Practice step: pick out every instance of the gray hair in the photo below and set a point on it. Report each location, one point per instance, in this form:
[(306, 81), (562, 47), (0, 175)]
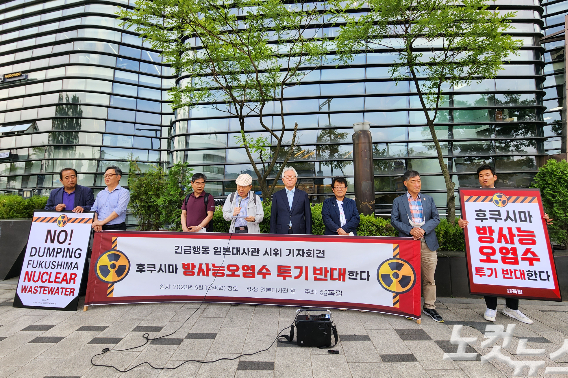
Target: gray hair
[(286, 169), (410, 174)]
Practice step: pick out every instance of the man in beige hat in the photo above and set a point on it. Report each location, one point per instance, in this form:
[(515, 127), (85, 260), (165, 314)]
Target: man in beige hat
[(243, 208)]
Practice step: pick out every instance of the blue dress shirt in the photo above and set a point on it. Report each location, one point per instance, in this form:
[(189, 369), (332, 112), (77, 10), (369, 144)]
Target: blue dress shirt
[(107, 202)]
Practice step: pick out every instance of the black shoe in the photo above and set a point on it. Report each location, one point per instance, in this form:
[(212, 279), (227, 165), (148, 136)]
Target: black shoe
[(433, 314)]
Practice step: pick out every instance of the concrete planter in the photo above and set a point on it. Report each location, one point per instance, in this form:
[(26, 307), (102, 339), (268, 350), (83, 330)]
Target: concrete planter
[(13, 239)]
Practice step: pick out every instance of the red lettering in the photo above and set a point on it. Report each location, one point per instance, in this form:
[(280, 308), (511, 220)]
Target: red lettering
[(28, 276), (72, 277), (43, 279), (57, 278)]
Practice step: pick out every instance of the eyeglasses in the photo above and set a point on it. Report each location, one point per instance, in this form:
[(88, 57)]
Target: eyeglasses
[(110, 175)]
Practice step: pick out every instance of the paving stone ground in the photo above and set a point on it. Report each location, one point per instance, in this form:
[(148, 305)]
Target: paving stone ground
[(48, 343)]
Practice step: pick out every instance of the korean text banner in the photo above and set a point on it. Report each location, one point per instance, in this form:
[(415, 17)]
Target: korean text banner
[(54, 261), (371, 273), (508, 252)]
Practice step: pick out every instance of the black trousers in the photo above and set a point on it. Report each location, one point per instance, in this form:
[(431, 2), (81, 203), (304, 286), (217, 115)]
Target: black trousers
[(491, 302), (117, 227)]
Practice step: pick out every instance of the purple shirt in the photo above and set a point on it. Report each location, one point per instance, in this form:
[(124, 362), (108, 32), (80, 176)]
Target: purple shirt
[(195, 209), (69, 200)]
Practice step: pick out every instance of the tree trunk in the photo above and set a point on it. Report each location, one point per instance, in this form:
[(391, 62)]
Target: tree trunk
[(451, 198)]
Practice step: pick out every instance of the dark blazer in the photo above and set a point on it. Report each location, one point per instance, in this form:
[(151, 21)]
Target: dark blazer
[(83, 197), (400, 218), (330, 216), (281, 215)]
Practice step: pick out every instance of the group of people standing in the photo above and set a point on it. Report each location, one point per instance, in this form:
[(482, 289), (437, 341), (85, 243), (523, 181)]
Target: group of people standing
[(109, 206), (290, 213), (413, 214)]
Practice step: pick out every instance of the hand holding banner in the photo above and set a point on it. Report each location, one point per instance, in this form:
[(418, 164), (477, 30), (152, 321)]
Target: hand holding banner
[(367, 273)]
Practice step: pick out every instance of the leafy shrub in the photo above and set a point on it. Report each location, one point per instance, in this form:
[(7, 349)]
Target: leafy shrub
[(177, 181), (450, 236), (156, 196), (219, 223), (265, 224), (36, 203), (14, 206), (553, 185), (371, 226), (317, 222)]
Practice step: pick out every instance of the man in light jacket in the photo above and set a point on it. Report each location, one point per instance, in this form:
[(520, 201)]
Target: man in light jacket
[(415, 214), (243, 208)]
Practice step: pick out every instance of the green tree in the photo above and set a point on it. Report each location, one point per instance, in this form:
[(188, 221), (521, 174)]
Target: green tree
[(177, 182), (240, 55), (472, 40), (156, 196), (551, 180)]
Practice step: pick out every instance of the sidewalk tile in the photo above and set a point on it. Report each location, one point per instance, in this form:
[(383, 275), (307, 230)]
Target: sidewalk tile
[(255, 365)]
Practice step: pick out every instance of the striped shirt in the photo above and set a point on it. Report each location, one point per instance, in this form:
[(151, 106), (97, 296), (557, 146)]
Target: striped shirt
[(415, 208)]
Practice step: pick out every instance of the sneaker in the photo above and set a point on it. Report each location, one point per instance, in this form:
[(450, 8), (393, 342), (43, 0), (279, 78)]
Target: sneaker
[(516, 314), (433, 314), (490, 315)]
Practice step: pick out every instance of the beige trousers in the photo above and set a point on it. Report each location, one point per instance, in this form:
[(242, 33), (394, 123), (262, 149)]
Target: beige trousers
[(428, 266)]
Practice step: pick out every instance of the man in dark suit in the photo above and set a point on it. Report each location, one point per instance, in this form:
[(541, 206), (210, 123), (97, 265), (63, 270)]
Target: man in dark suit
[(290, 212), (415, 214), (339, 214), (70, 197)]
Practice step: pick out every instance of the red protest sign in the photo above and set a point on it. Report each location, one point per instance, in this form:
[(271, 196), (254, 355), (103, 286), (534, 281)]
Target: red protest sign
[(508, 250)]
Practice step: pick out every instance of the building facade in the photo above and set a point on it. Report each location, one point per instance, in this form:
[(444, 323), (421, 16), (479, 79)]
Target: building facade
[(80, 91), (554, 83)]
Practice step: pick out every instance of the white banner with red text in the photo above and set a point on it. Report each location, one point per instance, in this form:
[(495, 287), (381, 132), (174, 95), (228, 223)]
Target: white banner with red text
[(367, 273), (508, 250), (54, 260)]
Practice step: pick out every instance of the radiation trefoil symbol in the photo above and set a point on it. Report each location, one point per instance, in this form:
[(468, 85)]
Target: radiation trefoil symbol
[(500, 200), (62, 220), (112, 266), (396, 275)]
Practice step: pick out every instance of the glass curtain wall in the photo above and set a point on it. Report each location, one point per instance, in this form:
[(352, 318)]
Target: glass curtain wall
[(496, 121), (80, 91), (77, 91), (554, 70)]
